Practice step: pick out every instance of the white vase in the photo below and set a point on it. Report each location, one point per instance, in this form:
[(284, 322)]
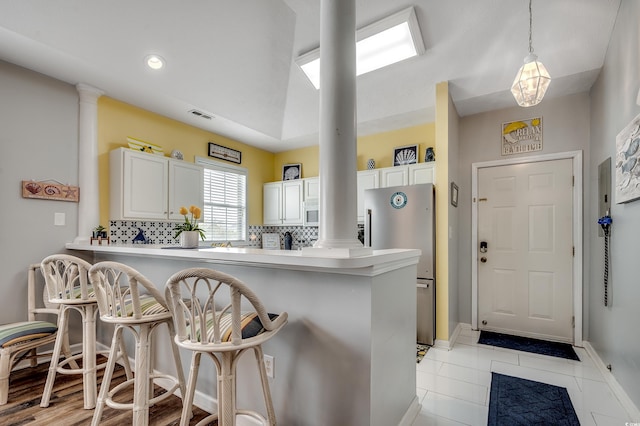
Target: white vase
[(189, 239)]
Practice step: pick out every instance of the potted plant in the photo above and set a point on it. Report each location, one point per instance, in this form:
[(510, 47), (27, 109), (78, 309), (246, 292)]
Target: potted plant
[(188, 231), (99, 232)]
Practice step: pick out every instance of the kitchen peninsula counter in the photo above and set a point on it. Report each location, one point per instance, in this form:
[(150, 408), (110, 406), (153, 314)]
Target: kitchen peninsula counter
[(347, 355), (373, 264)]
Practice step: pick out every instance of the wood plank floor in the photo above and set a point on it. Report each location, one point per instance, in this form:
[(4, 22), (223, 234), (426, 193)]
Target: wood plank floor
[(66, 404)]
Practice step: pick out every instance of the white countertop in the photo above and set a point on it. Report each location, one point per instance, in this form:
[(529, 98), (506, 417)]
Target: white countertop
[(375, 263)]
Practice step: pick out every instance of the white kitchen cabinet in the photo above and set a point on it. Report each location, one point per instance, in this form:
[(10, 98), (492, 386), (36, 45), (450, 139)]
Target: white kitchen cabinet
[(272, 203), (311, 189), (422, 173), (394, 176), (186, 187), (282, 202), (366, 179), (152, 187)]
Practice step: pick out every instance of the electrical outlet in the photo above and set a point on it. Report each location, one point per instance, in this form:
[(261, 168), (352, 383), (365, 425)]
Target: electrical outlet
[(269, 365)]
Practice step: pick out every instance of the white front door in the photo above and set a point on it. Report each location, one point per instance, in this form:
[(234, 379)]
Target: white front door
[(525, 275)]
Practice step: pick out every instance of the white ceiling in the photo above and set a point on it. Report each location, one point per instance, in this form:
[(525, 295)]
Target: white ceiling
[(235, 59)]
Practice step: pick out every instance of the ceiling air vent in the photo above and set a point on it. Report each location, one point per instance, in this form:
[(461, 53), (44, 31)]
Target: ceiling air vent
[(201, 114)]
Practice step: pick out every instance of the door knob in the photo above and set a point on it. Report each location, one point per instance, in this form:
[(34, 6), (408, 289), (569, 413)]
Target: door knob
[(483, 259)]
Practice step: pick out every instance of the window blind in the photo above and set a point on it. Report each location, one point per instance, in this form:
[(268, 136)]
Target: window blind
[(224, 215)]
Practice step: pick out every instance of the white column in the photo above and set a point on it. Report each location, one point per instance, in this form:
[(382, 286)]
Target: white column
[(338, 152), (89, 205)]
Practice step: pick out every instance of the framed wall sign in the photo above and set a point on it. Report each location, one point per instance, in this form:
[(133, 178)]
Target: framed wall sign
[(404, 155), (454, 194), (291, 171), (224, 153), (519, 137)]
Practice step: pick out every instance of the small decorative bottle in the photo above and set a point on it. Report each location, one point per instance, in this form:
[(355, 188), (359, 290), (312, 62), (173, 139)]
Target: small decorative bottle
[(288, 240), (429, 155), (371, 164)]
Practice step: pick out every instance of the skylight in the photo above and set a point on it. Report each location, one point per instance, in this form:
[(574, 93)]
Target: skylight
[(390, 40)]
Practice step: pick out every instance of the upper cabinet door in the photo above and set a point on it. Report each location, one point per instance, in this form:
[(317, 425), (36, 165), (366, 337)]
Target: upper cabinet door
[(366, 179), (394, 176), (186, 187), (311, 189), (145, 181), (292, 202), (272, 203), (422, 173)]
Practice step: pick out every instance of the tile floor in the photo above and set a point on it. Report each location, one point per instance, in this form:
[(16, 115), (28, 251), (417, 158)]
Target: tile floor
[(453, 386)]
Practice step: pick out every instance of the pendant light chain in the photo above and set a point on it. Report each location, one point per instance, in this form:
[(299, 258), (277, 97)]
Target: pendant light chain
[(530, 26), (532, 79)]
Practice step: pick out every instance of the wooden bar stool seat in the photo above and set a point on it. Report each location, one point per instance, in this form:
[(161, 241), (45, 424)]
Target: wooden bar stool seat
[(223, 332)]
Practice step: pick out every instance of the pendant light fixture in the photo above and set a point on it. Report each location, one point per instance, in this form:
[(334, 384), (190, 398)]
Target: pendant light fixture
[(532, 79)]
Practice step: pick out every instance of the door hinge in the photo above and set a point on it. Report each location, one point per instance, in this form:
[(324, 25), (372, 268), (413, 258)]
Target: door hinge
[(573, 181), (573, 251), (573, 321)]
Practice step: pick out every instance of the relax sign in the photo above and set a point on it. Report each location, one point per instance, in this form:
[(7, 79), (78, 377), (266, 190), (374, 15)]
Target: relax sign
[(522, 136)]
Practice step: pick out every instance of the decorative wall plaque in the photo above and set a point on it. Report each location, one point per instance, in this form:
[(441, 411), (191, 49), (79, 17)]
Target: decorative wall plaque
[(522, 136), (224, 153), (50, 191)]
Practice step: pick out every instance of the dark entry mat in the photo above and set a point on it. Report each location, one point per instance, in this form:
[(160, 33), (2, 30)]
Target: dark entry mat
[(526, 344), (514, 401)]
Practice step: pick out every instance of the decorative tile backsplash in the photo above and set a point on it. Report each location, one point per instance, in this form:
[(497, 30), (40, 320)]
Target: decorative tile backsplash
[(124, 232), (303, 236)]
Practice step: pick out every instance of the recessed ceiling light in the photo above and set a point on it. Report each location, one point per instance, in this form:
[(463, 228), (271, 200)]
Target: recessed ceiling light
[(390, 40), (155, 62)]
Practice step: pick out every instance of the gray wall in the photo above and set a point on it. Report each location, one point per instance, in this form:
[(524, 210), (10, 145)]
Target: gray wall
[(454, 261), (613, 330), (39, 140), (565, 124)]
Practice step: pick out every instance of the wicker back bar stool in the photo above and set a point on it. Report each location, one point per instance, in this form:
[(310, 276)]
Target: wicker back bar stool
[(67, 285), (129, 301), (207, 310), (21, 340)]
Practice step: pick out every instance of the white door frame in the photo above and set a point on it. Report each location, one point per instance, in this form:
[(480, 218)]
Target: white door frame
[(576, 157)]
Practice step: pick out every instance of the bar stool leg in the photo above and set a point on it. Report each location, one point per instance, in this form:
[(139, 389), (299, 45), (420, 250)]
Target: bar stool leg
[(271, 414), (176, 357), (226, 390), (63, 318), (89, 356), (141, 384), (108, 374), (187, 398)]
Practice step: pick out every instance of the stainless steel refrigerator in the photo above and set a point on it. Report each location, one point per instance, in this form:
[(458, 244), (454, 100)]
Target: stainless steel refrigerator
[(404, 217)]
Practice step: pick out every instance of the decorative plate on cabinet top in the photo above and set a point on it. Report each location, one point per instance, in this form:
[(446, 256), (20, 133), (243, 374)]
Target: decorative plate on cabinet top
[(177, 154)]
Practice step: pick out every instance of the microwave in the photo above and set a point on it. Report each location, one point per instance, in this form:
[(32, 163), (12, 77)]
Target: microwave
[(311, 216)]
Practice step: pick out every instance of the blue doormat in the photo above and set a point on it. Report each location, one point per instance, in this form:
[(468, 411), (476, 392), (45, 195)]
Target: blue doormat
[(514, 401), (526, 344)]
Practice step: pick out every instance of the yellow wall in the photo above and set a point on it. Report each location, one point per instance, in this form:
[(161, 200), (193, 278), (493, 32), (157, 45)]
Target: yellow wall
[(379, 147), (117, 120), (442, 212)]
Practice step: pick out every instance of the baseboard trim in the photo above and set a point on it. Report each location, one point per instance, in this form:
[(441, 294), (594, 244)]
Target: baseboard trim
[(411, 413), (447, 345), (617, 389)]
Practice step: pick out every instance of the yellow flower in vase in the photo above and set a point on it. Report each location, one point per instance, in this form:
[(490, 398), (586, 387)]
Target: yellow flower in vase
[(190, 223)]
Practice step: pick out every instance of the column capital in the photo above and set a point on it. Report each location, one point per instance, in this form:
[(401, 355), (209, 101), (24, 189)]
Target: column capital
[(88, 93)]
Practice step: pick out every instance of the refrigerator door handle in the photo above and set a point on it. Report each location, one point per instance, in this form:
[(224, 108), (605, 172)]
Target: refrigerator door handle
[(367, 225)]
